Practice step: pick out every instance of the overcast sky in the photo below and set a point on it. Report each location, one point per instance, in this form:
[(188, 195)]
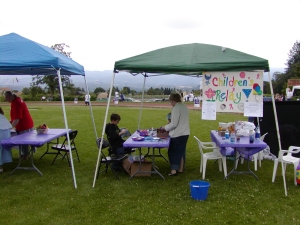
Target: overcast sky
[(100, 32)]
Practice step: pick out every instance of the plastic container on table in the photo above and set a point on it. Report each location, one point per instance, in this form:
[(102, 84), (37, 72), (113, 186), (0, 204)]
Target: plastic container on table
[(251, 136), (257, 134), (227, 134), (232, 137)]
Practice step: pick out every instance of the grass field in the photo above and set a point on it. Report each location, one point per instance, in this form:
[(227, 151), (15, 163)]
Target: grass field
[(28, 198)]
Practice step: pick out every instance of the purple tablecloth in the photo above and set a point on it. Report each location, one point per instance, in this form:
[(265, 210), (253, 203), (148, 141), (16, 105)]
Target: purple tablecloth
[(161, 143), (243, 146), (34, 139)]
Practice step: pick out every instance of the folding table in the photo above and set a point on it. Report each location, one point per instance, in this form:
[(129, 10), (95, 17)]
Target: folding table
[(34, 139), (147, 143), (242, 146)]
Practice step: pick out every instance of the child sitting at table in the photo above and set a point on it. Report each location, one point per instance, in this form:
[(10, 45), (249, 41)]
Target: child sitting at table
[(114, 135)]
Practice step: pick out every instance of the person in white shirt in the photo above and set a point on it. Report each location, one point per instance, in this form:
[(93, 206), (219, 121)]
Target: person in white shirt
[(87, 98), (5, 126), (186, 98), (289, 95), (116, 99), (179, 131)]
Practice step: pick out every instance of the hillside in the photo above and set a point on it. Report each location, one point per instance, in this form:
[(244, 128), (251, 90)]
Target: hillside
[(103, 79)]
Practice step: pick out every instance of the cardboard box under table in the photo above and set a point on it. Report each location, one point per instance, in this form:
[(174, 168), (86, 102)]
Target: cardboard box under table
[(132, 166)]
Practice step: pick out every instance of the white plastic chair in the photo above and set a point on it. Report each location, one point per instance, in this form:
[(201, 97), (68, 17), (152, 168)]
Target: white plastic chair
[(258, 156), (215, 154), (285, 157)]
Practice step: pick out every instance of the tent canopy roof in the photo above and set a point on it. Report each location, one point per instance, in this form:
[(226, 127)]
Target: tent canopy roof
[(189, 59), (21, 56)]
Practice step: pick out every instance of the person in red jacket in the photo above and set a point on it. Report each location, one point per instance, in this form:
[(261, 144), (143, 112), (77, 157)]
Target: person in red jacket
[(20, 118)]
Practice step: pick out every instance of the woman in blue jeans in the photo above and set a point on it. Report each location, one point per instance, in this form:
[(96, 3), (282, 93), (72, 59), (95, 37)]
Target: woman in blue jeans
[(179, 131)]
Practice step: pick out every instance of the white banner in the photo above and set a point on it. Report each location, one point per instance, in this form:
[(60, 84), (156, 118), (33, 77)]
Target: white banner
[(196, 102), (253, 109), (209, 111), (231, 89)]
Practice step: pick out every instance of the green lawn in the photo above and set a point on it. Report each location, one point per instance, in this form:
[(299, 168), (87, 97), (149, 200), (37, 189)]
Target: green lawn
[(28, 198)]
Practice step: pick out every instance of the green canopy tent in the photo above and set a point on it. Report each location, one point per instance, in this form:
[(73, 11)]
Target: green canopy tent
[(186, 59), (189, 59)]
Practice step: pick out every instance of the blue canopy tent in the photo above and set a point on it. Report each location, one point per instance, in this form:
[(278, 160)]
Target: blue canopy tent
[(21, 56)]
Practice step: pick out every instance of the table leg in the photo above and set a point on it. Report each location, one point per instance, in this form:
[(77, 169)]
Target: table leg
[(234, 171), (153, 164), (162, 155), (155, 171), (251, 172), (33, 167), (147, 154), (140, 164), (48, 148), (158, 155)]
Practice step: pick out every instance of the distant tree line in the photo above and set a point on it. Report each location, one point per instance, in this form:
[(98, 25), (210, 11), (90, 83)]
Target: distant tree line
[(292, 71)]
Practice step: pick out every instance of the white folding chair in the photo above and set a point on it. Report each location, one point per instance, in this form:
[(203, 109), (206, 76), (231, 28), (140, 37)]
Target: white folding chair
[(215, 154), (256, 157), (285, 157)]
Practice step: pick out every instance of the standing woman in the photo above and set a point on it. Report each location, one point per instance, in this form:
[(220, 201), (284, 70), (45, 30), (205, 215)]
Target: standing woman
[(179, 131), (20, 118), (5, 126)]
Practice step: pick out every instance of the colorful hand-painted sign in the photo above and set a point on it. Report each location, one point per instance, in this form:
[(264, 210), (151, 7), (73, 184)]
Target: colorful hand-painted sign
[(231, 89)]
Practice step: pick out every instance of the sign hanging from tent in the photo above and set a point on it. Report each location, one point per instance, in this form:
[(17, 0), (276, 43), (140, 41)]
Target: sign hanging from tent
[(230, 90)]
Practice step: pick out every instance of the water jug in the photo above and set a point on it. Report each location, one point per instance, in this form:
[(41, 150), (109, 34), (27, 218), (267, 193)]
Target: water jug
[(251, 136), (257, 134), (227, 134), (232, 137)]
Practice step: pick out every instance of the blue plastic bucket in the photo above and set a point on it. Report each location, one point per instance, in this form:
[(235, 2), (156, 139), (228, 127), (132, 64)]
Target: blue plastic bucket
[(199, 189)]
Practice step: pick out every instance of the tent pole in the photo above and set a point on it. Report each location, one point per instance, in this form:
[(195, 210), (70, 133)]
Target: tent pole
[(103, 129), (66, 125), (277, 129), (91, 111), (141, 107), (275, 112)]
